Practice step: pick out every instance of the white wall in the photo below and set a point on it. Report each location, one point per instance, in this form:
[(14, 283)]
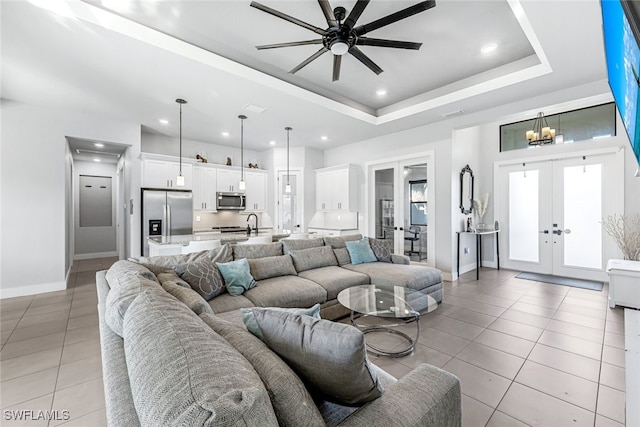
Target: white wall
[(94, 242), (32, 191)]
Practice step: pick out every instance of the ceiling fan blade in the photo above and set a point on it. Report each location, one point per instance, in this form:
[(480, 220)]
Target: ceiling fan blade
[(337, 60), (367, 41), (355, 13), (308, 60), (289, 44), (394, 17), (287, 17), (360, 56), (328, 13)]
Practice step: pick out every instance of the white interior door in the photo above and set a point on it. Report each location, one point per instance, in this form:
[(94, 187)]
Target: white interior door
[(551, 213)]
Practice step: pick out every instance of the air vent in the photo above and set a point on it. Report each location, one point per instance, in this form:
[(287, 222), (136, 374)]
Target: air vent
[(98, 153), (254, 108), (453, 114)]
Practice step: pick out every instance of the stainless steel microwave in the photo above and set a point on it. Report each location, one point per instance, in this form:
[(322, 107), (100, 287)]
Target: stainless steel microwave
[(230, 201)]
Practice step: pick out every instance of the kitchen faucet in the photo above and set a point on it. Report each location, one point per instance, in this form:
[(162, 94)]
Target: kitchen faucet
[(256, 227)]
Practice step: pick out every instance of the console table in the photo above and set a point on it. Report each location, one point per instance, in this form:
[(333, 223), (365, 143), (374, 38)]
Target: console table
[(478, 233)]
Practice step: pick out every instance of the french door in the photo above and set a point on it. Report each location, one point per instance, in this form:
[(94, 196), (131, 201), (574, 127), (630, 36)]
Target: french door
[(550, 214), (391, 213)]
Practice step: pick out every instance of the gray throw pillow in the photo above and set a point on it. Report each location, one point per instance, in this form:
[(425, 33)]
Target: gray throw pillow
[(307, 259), (331, 357), (272, 266), (342, 255), (159, 264), (250, 320), (203, 276), (381, 249)]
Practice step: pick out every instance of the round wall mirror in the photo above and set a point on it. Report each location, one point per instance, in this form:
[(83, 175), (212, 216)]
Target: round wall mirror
[(466, 190)]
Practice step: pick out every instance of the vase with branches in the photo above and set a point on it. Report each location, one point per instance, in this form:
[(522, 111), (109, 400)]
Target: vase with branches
[(480, 206), (625, 230)]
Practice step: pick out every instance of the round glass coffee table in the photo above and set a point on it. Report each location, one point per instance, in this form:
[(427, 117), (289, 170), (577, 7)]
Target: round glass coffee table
[(388, 302)]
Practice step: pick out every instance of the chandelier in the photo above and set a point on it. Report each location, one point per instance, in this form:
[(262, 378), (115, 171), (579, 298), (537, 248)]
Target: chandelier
[(541, 133)]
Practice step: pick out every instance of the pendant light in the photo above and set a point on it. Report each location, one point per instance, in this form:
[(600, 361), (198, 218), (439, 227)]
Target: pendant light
[(241, 185), (287, 188), (180, 178)]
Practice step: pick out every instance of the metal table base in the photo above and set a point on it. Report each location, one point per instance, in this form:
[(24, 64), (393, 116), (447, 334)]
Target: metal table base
[(411, 342)]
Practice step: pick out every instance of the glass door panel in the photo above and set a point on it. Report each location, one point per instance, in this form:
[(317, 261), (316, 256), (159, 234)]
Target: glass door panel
[(384, 195), (523, 216), (289, 209)]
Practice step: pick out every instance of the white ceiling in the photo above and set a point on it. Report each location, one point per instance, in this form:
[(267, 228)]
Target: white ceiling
[(77, 55)]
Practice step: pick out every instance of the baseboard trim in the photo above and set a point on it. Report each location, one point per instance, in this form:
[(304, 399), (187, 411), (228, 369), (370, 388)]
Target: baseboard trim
[(79, 257), (32, 290)]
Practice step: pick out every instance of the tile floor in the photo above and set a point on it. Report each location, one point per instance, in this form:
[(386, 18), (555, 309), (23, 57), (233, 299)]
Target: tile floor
[(527, 353)]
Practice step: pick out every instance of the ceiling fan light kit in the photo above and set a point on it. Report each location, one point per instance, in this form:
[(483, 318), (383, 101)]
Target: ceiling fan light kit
[(342, 36)]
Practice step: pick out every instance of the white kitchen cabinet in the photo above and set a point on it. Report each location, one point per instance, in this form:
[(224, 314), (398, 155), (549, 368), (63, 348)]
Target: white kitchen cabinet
[(256, 191), (228, 180), (204, 188), (163, 174), (337, 189)]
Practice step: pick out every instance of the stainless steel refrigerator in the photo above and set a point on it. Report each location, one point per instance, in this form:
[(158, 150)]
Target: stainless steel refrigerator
[(165, 213)]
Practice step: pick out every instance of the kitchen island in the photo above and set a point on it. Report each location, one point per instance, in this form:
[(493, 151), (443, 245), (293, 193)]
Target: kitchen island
[(174, 245)]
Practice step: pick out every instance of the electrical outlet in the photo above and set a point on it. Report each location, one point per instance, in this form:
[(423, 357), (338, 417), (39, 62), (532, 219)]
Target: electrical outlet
[(197, 218), (466, 251)]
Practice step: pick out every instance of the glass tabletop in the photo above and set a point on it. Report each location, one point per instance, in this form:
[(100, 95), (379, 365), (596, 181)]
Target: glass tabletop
[(387, 301)]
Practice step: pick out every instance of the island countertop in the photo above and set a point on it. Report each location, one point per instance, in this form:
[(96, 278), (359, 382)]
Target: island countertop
[(184, 239)]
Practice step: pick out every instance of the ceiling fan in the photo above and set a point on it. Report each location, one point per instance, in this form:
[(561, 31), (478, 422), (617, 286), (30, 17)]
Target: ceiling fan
[(342, 36)]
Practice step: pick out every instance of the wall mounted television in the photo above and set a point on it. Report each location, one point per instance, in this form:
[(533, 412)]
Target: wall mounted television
[(621, 30)]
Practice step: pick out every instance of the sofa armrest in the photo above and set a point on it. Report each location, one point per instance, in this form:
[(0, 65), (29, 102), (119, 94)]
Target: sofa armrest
[(400, 259), (427, 396)]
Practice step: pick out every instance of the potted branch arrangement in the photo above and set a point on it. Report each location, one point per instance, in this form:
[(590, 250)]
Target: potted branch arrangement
[(480, 206), (626, 232)]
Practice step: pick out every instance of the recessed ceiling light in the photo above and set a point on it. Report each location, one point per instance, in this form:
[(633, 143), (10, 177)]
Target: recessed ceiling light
[(324, 138), (488, 48), (381, 92), (98, 144), (163, 121), (96, 160), (272, 143), (225, 134)]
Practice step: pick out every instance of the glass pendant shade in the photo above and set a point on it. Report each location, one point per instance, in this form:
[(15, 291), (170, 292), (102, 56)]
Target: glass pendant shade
[(287, 188), (241, 185), (180, 181)]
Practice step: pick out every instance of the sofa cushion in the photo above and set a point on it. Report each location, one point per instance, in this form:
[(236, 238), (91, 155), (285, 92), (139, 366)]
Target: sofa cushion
[(381, 249), (124, 290), (237, 276), (158, 264), (188, 296), (249, 319), (203, 276), (339, 242), (331, 357), (411, 276), (272, 266), (289, 245), (342, 255), (169, 353), (334, 279), (122, 268), (306, 259), (291, 401), (286, 291), (257, 251), (226, 302), (172, 276), (360, 252)]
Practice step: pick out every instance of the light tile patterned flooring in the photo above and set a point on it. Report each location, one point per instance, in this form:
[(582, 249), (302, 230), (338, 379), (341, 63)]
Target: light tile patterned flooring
[(527, 353)]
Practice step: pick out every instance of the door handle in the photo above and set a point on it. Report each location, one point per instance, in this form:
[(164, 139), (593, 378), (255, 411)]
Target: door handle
[(544, 232), (565, 231)]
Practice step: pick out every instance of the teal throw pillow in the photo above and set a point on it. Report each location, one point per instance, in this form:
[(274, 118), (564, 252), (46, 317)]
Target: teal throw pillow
[(360, 251), (237, 276), (249, 318)]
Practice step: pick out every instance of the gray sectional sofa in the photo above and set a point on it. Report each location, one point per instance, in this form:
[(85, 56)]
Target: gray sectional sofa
[(170, 357)]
